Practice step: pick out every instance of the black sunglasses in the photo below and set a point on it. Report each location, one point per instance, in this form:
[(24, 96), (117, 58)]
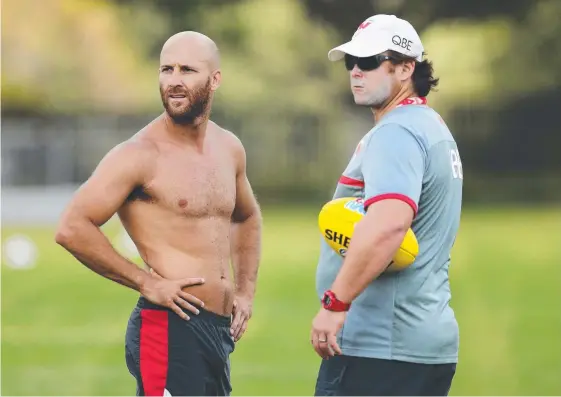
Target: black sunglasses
[(365, 64)]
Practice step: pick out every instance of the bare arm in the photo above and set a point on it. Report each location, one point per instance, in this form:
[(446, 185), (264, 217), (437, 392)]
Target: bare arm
[(97, 200), (376, 239), (246, 232)]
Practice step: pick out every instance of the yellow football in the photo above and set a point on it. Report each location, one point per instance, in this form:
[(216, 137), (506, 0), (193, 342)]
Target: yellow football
[(337, 220)]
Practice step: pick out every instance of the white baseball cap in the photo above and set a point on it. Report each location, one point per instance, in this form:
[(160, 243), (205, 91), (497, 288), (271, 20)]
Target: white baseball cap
[(381, 33)]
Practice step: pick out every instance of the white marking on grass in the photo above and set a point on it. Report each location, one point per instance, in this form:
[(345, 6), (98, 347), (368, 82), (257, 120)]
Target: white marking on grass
[(20, 252)]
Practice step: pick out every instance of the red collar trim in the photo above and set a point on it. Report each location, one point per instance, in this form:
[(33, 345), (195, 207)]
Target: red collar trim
[(413, 101)]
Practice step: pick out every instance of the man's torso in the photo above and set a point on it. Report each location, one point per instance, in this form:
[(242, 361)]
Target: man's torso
[(180, 218), (406, 315)]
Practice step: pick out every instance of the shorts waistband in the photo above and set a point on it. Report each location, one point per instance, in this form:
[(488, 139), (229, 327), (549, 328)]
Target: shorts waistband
[(204, 315)]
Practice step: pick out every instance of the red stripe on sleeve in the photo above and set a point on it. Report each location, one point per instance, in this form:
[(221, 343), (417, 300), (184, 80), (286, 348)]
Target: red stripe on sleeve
[(154, 351), (395, 196), (345, 180)]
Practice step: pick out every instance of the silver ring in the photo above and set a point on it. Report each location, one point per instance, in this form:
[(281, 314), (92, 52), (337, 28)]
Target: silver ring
[(322, 340)]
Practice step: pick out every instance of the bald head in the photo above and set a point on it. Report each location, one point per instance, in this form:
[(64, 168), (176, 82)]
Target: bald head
[(189, 46)]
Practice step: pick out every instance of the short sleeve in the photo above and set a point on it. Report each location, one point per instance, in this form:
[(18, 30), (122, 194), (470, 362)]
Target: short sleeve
[(393, 166)]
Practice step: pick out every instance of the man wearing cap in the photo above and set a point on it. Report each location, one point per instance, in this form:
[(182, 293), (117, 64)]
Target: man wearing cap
[(392, 333)]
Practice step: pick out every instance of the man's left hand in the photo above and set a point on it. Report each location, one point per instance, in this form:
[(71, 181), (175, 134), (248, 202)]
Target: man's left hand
[(242, 313), (325, 326)]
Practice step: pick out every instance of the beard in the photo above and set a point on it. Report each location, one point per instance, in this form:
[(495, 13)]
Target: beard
[(196, 103), (379, 96)]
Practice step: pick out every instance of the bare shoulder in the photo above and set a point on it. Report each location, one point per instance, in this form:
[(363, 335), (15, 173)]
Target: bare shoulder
[(132, 159), (137, 149), (125, 167), (132, 149), (233, 143)]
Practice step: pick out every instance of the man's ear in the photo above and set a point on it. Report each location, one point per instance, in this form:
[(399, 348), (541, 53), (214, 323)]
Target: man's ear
[(406, 70), (215, 80)]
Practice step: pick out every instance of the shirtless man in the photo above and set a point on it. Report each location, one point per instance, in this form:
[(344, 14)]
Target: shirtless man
[(180, 189)]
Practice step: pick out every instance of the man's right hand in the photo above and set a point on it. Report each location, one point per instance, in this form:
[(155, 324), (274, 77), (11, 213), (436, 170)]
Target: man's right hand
[(169, 293)]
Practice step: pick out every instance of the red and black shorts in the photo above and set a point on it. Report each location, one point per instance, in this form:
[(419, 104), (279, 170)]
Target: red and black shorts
[(171, 356)]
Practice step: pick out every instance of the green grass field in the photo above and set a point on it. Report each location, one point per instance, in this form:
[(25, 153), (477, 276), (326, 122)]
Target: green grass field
[(63, 326)]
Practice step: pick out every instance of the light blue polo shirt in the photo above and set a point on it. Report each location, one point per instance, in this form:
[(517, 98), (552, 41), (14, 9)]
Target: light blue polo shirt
[(411, 155)]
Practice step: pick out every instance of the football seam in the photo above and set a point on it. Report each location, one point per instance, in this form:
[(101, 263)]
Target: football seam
[(408, 252)]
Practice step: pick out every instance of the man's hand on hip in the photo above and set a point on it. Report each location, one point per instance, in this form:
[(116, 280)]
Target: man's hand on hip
[(170, 294), (243, 307)]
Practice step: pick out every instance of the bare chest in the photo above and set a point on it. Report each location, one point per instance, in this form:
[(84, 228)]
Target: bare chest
[(195, 187)]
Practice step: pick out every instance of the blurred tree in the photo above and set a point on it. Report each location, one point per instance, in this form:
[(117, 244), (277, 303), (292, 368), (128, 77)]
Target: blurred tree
[(501, 92), (76, 57), (179, 15), (280, 97), (346, 15)]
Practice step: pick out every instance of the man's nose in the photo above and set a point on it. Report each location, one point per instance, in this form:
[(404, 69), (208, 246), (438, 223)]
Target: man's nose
[(356, 72), (175, 77)]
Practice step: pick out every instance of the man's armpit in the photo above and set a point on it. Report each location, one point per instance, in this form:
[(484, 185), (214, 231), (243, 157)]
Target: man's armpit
[(123, 169)]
